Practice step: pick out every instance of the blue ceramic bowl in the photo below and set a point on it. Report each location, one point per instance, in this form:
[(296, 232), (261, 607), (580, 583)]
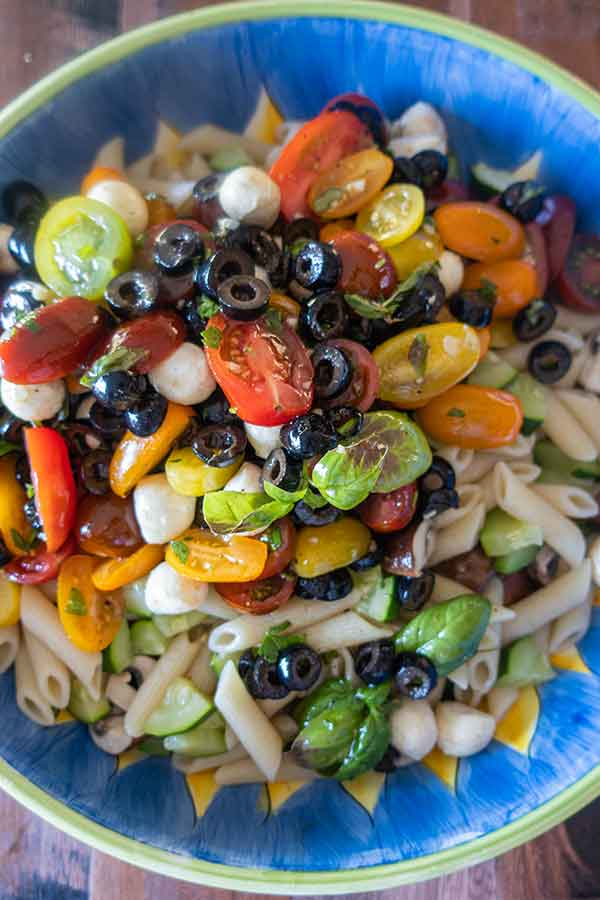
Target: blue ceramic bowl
[(502, 103)]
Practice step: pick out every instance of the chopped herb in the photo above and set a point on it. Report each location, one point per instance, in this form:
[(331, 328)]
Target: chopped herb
[(119, 359), (22, 320), (30, 324), (495, 240), (382, 308), (233, 410), (379, 264), (272, 537), (417, 355), (21, 542), (181, 551), (29, 490), (212, 337), (456, 413), (327, 200), (298, 245), (487, 289), (273, 319), (207, 307), (274, 641), (7, 447), (76, 604)]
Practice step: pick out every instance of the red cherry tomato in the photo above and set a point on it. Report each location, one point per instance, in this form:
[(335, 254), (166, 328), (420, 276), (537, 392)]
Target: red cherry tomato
[(41, 567), (258, 597), (278, 559), (579, 281), (54, 341), (450, 191), (364, 384), (159, 334), (537, 255), (389, 512), (53, 483), (106, 526), (367, 269), (315, 148), (265, 373), (559, 232), (366, 110)]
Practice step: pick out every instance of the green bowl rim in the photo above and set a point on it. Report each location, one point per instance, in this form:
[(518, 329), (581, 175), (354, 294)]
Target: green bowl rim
[(280, 881)]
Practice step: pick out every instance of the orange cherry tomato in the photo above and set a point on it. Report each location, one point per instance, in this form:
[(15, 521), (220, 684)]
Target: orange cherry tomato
[(98, 174), (350, 184), (208, 557), (160, 211), (13, 521), (330, 230), (479, 231), (289, 309), (516, 283), (472, 417), (90, 619), (135, 456), (106, 526), (115, 573)]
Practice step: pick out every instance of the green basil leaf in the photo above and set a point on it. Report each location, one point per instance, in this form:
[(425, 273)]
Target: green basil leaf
[(181, 551), (274, 641), (7, 447), (313, 499), (212, 337), (370, 742), (277, 493), (374, 696), (121, 359), (448, 633), (206, 307), (76, 604), (235, 512), (326, 740), (381, 308), (332, 691)]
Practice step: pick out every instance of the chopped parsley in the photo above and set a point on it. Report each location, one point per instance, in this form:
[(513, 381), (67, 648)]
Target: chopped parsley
[(119, 359), (29, 490), (327, 200), (207, 307), (212, 337), (76, 604), (488, 290), (181, 551), (417, 356), (22, 543), (275, 641), (456, 413), (272, 537), (273, 319)]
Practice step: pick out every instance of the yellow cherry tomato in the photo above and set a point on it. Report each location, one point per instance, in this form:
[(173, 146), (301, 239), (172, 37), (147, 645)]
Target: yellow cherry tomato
[(189, 475), (424, 246), (323, 549), (350, 184), (393, 215), (10, 602), (90, 619), (473, 417), (421, 363), (210, 557), (116, 573), (14, 527), (135, 456)]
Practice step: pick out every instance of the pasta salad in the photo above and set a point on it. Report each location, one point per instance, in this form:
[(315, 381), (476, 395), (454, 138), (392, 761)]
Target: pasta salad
[(299, 445)]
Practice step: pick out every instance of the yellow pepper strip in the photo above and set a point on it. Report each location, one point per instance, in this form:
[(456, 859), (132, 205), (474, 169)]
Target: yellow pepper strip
[(116, 573)]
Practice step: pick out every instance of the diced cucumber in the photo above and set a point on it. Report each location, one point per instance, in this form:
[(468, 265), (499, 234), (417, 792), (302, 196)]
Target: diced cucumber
[(147, 640), (502, 533), (492, 372), (83, 707), (495, 181), (228, 158), (172, 625), (152, 746), (533, 400), (218, 660), (523, 663), (199, 741), (381, 605), (182, 707), (549, 457), (118, 654), (134, 596), (515, 560)]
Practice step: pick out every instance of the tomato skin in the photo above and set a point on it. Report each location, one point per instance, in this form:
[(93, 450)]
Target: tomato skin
[(279, 559), (366, 110), (491, 418), (364, 385), (315, 148), (389, 512), (371, 169), (275, 379), (53, 483), (212, 558), (98, 174), (367, 268), (106, 526), (99, 616), (579, 280), (60, 338), (249, 597), (393, 214), (421, 247), (559, 232), (516, 282), (537, 255), (158, 333), (116, 573), (479, 231), (321, 549), (41, 567)]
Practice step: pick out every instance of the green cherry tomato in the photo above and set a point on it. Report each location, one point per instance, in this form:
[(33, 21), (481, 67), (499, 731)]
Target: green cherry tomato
[(80, 246)]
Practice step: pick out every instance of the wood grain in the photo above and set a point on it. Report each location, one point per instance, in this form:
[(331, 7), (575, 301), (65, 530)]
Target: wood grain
[(36, 861)]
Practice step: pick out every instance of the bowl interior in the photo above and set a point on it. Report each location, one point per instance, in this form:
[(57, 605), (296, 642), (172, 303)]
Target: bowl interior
[(497, 112)]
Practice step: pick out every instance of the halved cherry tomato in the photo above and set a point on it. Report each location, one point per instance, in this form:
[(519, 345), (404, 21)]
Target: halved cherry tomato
[(41, 566), (472, 417), (450, 191), (322, 549), (264, 371), (160, 211), (364, 384), (389, 512), (98, 174), (515, 280), (258, 597), (421, 363), (393, 214), (366, 267), (579, 281), (283, 534), (115, 573), (90, 619), (350, 184), (559, 231), (366, 110), (13, 521), (423, 246), (106, 526), (135, 456), (289, 309), (157, 334), (537, 255), (209, 557), (479, 231), (329, 230), (53, 483), (315, 148), (52, 341)]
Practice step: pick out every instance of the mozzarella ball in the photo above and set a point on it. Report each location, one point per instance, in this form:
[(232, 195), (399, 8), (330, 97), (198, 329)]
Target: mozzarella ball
[(413, 729), (246, 480), (263, 438), (125, 200), (451, 272), (161, 513), (8, 266), (462, 730), (250, 196), (83, 412), (410, 144), (420, 118), (184, 376), (33, 402), (169, 593)]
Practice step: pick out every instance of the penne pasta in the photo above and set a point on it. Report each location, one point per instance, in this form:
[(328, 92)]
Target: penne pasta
[(446, 588), (585, 407), (569, 628), (9, 645), (191, 764), (500, 700), (469, 496), (245, 771), (459, 458), (201, 671), (462, 730), (520, 448), (568, 500), (459, 537), (345, 630), (482, 464), (413, 729), (51, 674), (30, 700), (564, 429)]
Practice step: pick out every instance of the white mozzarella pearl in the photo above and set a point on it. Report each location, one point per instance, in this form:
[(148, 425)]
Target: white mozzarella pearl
[(169, 593), (126, 200), (33, 402), (249, 195), (184, 376), (161, 513)]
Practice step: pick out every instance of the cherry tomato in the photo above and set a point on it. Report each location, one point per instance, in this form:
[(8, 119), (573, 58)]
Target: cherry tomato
[(389, 512), (13, 521), (350, 184), (258, 597), (265, 372), (160, 211), (515, 280), (159, 334), (281, 556), (90, 619), (192, 477), (479, 231), (209, 557), (116, 573), (366, 110), (364, 384), (329, 230), (472, 417), (537, 255), (80, 246), (417, 365), (393, 214), (423, 246), (289, 309), (106, 526), (366, 267), (98, 174), (559, 231), (322, 549), (53, 483), (450, 191), (41, 566), (315, 148), (135, 456), (579, 281), (54, 341)]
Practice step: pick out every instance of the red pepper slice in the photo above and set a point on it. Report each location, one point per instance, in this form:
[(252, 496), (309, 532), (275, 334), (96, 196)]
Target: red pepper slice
[(53, 484)]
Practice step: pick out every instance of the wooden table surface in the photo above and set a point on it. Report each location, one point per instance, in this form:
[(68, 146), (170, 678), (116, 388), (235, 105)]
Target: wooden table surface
[(37, 862)]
